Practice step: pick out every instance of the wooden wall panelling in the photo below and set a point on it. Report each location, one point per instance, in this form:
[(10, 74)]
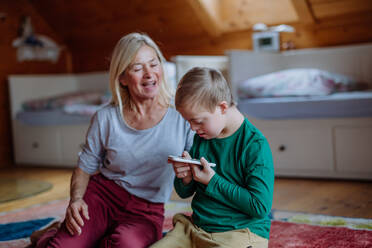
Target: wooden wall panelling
[(325, 8), (325, 35), (208, 46), (240, 15), (88, 61), (304, 11), (95, 27), (208, 13), (305, 37), (346, 20), (233, 15), (9, 25), (117, 18), (91, 41)]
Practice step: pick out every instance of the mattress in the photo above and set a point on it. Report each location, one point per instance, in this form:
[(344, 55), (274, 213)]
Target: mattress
[(338, 105)]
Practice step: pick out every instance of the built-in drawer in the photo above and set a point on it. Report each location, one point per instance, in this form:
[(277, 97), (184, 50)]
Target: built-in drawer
[(296, 150), (353, 148), (37, 145)]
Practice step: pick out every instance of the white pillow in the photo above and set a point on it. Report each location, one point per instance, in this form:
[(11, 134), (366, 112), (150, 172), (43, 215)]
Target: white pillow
[(295, 82)]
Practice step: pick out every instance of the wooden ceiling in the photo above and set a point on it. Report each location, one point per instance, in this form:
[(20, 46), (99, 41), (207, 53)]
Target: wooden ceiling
[(201, 26), (84, 23), (87, 23), (237, 15)]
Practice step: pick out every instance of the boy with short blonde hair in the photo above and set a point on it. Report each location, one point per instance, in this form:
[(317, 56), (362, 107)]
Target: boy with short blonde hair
[(232, 201)]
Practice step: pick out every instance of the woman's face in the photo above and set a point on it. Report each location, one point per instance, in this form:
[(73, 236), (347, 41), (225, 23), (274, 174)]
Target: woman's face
[(144, 75)]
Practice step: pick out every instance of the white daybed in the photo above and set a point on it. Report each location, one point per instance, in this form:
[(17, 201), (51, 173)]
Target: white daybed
[(52, 139)]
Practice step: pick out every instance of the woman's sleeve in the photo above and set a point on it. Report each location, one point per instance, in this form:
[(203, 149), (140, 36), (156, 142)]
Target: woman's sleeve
[(91, 156), (254, 196)]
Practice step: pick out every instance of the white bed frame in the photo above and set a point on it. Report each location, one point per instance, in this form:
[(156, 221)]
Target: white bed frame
[(355, 61), (323, 148), (328, 148), (186, 62), (55, 145)]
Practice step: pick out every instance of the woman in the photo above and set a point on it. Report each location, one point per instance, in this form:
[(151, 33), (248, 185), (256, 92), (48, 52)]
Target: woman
[(128, 142)]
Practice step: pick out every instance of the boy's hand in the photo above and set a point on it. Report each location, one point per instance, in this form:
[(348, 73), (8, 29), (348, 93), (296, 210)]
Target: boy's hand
[(182, 170), (204, 173)]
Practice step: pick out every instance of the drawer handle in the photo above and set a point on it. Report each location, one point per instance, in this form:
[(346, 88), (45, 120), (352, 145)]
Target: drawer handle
[(282, 148), (35, 145)]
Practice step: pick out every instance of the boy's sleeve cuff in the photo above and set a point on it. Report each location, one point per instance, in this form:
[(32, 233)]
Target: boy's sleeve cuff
[(185, 186)]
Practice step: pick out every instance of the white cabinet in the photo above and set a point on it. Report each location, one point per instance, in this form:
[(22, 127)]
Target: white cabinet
[(323, 148), (72, 140), (48, 145), (292, 148), (37, 146), (353, 149)]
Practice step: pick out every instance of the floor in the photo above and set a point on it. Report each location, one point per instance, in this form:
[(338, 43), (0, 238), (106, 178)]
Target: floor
[(331, 197)]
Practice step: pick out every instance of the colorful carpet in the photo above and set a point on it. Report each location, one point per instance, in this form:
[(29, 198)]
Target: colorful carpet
[(17, 188), (289, 229), (301, 230)]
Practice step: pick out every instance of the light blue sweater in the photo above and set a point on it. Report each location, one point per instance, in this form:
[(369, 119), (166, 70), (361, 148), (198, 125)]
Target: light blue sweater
[(135, 159)]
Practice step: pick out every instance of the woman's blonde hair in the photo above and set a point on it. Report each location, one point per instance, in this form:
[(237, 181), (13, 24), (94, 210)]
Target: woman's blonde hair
[(123, 54), (203, 87)]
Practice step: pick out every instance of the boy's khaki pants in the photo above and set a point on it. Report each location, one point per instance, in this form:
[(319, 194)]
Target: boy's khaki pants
[(186, 235)]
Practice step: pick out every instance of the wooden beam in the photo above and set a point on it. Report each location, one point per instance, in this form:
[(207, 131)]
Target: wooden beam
[(207, 16), (304, 11), (339, 8)]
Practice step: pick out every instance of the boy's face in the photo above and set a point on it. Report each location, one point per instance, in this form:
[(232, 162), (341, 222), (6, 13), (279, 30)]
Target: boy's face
[(206, 124)]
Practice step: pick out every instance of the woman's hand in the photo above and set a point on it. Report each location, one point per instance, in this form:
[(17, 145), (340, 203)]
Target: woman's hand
[(74, 213), (204, 173), (77, 208), (182, 170)]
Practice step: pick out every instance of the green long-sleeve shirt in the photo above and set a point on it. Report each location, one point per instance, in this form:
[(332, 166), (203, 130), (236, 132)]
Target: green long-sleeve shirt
[(240, 194)]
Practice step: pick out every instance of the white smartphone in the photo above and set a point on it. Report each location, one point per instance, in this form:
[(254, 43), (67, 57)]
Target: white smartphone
[(189, 161)]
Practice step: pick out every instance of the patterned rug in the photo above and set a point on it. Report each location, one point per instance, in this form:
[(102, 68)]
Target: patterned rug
[(288, 230), (18, 188), (302, 230)]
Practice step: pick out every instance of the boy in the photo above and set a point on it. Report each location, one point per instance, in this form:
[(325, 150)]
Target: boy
[(233, 200)]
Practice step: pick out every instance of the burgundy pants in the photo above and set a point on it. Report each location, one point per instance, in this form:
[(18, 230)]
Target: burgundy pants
[(117, 219)]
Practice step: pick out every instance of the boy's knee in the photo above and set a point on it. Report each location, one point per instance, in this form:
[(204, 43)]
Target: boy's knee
[(114, 241), (128, 237)]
